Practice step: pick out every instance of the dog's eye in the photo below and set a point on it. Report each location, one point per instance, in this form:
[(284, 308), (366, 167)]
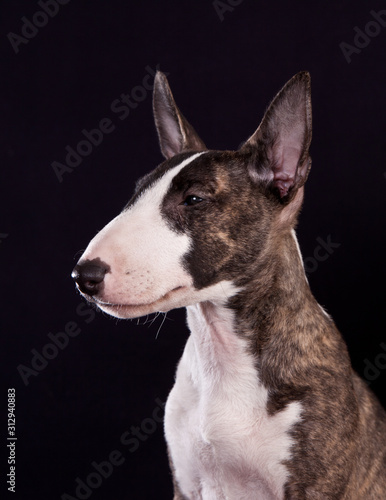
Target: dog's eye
[(192, 199)]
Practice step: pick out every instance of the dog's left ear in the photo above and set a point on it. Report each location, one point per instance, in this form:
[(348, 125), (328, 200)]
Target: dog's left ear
[(280, 145), (175, 133)]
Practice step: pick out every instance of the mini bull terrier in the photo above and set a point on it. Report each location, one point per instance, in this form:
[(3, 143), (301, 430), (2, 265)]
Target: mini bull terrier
[(265, 404)]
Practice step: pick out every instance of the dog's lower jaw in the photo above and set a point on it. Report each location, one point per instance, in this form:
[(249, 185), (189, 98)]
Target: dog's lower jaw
[(127, 311), (180, 296)]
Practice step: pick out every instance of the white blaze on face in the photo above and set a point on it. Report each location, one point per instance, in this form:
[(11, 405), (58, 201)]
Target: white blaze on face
[(144, 256)]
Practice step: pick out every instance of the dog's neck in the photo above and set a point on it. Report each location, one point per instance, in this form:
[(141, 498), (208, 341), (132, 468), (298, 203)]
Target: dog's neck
[(213, 334), (284, 328)]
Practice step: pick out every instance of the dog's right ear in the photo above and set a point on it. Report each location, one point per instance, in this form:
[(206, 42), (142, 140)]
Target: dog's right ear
[(175, 133)]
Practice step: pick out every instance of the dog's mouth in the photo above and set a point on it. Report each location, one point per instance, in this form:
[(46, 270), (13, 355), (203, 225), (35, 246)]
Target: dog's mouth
[(133, 309)]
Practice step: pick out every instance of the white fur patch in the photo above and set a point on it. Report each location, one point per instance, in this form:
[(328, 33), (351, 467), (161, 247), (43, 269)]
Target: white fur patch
[(223, 443), (144, 255)]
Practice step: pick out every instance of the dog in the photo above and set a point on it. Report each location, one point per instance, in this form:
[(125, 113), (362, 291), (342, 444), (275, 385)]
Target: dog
[(265, 405)]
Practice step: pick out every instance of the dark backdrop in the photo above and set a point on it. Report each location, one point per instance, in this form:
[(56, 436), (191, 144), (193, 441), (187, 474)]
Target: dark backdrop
[(97, 398)]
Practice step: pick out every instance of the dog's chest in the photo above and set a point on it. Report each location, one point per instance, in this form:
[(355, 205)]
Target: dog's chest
[(222, 441)]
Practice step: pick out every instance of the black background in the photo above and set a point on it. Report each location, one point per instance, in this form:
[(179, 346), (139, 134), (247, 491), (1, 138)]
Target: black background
[(223, 71)]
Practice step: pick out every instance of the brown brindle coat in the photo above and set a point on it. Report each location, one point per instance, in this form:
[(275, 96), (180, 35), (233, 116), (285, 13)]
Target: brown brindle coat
[(340, 450), (229, 218)]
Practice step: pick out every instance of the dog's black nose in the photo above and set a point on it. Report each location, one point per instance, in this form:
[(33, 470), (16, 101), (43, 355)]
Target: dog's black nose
[(89, 275)]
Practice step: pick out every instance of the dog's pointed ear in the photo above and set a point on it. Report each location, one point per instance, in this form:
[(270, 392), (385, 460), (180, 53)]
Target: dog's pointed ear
[(282, 139), (175, 133)]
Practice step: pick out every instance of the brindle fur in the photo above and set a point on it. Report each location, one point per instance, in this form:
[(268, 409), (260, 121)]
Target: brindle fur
[(242, 232), (340, 443)]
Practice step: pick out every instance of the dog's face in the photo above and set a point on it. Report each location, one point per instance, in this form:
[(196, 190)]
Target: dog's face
[(197, 224)]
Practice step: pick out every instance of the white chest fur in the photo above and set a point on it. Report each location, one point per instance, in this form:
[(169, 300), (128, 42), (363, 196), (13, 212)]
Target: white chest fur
[(222, 441)]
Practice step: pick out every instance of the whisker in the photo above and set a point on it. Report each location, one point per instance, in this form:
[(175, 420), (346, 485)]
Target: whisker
[(79, 252), (163, 321), (153, 319)]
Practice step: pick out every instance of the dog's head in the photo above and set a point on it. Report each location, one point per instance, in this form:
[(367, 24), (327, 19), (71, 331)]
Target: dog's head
[(200, 223)]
